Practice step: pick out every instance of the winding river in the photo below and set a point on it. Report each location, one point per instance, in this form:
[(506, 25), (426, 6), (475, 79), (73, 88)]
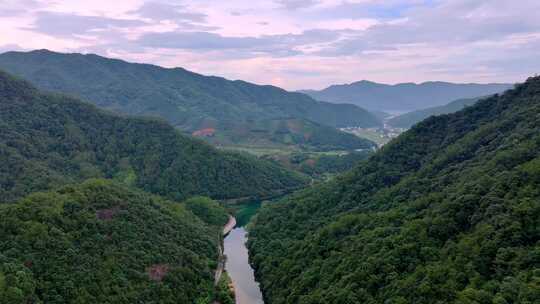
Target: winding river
[(237, 265)]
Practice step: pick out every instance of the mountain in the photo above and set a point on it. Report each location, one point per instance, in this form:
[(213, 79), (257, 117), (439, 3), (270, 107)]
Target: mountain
[(99, 242), (446, 213), (407, 120), (189, 101), (48, 140), (405, 96)]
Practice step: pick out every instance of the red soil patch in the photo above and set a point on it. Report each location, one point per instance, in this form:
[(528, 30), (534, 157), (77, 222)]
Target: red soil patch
[(157, 272), (294, 126), (107, 214), (310, 162), (208, 132), (28, 264)]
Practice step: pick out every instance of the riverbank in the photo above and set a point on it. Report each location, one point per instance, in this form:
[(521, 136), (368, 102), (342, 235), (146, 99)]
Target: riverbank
[(231, 223), (221, 259), (229, 226)]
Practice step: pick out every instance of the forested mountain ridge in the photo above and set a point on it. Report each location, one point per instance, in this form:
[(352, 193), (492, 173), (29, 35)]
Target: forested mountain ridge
[(404, 96), (187, 100), (407, 120), (446, 213), (99, 242), (49, 140)]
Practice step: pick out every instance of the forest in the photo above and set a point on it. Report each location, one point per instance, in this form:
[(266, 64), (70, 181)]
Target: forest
[(77, 226), (186, 100), (270, 152), (409, 119), (48, 140), (100, 242), (446, 213), (321, 166)]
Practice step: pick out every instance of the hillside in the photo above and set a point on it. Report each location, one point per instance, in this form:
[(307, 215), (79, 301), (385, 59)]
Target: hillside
[(407, 120), (446, 213), (319, 166), (405, 96), (99, 242), (48, 140), (287, 133), (187, 100)]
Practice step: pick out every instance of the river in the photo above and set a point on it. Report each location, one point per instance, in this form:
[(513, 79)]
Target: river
[(237, 265)]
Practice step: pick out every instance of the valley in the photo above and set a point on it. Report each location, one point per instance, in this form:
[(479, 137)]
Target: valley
[(217, 110), (269, 152), (283, 215)]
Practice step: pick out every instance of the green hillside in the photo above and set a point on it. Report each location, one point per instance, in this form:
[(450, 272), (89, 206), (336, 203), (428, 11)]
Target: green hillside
[(447, 213), (48, 140), (407, 120), (292, 134), (189, 101), (99, 242), (321, 165)]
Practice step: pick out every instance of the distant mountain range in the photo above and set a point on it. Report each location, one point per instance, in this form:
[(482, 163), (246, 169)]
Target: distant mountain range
[(189, 101), (405, 96), (407, 120)]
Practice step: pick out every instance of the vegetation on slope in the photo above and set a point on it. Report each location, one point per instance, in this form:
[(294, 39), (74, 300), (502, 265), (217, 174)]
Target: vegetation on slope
[(288, 134), (49, 140), (99, 242), (207, 210), (189, 101), (321, 166), (446, 213), (407, 120)]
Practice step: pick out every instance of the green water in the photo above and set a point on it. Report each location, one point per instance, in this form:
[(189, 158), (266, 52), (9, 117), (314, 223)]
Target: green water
[(244, 212)]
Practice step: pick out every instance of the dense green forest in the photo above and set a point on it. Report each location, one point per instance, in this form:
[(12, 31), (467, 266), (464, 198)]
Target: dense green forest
[(189, 101), (407, 120), (448, 212), (48, 140), (321, 166), (290, 134), (100, 242)]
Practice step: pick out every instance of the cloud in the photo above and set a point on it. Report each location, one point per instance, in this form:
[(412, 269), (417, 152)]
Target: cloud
[(171, 12), (360, 9), (297, 4), (198, 41), (66, 25), (19, 3), (14, 8), (305, 43), (459, 21), (454, 23), (10, 47), (274, 45), (11, 12)]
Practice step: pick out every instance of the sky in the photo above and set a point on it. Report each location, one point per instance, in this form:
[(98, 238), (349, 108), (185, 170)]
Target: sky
[(294, 44)]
